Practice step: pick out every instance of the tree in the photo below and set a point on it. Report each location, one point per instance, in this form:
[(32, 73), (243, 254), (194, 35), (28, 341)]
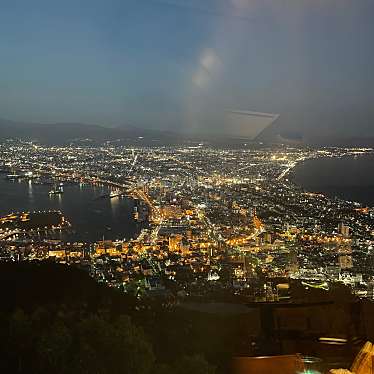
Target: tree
[(54, 348), (21, 339), (116, 348)]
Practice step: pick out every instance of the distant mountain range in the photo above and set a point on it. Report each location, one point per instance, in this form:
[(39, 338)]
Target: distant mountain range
[(62, 133), (66, 133)]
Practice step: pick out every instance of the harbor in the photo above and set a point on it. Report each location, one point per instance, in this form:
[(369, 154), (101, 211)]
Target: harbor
[(92, 217)]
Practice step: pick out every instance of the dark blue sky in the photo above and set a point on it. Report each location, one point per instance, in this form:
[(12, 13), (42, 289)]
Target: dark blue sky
[(182, 63)]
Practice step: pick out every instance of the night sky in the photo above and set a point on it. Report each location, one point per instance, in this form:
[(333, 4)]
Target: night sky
[(180, 64)]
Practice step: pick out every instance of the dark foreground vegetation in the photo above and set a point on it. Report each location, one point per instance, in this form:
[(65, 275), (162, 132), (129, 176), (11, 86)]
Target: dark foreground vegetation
[(56, 319)]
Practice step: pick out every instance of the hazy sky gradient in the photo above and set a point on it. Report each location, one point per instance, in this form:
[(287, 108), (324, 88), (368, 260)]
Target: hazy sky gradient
[(183, 63)]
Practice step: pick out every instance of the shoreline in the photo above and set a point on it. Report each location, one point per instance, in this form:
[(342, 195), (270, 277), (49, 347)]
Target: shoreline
[(334, 189), (75, 233)]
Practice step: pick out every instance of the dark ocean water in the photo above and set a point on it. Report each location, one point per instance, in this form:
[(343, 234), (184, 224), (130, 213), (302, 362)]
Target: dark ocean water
[(91, 217), (349, 178)]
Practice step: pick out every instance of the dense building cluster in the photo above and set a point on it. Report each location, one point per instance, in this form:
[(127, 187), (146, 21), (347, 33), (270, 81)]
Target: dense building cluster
[(218, 223)]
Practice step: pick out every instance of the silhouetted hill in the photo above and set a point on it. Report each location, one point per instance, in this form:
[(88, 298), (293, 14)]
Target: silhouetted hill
[(44, 300), (59, 133), (280, 133), (66, 133), (30, 285)]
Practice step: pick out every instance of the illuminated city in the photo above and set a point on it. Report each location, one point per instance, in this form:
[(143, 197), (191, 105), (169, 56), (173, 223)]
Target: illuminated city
[(213, 221), (186, 187)]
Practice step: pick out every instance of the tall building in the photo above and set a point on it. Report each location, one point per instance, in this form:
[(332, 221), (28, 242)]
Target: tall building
[(343, 229), (370, 290), (345, 262)]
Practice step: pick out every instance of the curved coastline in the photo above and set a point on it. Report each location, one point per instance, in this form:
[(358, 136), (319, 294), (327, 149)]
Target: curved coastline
[(348, 178)]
